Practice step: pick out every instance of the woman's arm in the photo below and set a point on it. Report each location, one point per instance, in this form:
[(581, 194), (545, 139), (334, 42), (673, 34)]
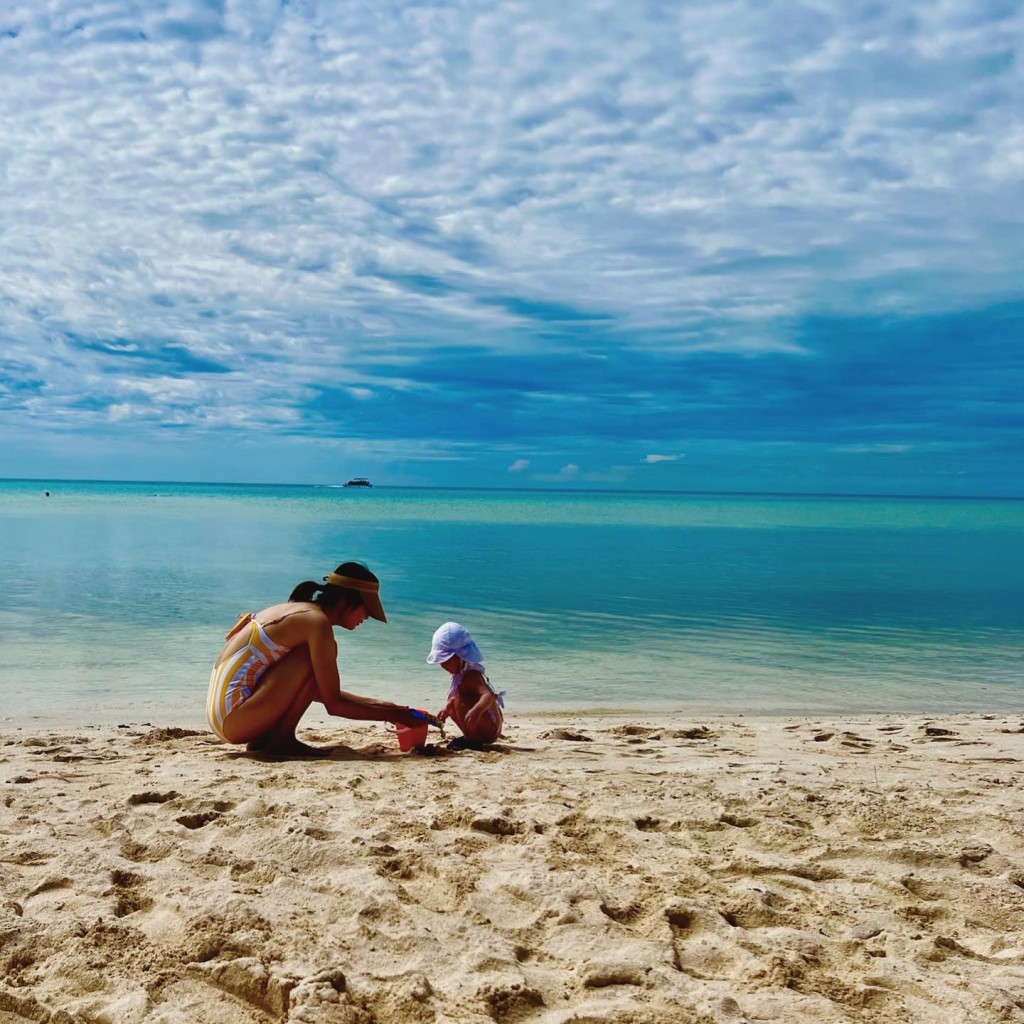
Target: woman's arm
[(323, 653)]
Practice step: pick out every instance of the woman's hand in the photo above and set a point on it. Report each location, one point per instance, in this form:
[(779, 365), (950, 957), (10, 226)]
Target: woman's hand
[(416, 716)]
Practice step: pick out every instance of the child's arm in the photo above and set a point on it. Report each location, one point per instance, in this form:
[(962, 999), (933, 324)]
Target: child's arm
[(486, 700)]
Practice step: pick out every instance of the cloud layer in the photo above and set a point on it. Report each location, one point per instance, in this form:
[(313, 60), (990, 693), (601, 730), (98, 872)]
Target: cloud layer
[(563, 242)]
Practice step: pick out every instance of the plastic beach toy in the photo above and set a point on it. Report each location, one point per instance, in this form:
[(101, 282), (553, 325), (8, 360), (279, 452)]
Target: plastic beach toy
[(411, 737)]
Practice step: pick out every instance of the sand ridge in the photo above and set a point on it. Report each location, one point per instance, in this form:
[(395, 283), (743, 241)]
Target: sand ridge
[(629, 869)]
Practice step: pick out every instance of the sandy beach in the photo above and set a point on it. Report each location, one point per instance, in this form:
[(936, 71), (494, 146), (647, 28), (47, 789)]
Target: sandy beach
[(626, 868)]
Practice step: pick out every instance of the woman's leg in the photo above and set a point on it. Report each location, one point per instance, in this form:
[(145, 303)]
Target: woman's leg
[(268, 719)]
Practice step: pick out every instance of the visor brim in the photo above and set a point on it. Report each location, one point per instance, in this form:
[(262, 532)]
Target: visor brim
[(374, 609)]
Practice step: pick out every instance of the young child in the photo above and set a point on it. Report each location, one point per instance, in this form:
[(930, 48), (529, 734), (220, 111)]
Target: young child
[(473, 704)]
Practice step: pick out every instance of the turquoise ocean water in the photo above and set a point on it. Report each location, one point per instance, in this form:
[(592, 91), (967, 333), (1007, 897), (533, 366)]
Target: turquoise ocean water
[(114, 598)]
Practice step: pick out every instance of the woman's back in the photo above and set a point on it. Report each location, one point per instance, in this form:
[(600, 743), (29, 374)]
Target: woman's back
[(285, 625)]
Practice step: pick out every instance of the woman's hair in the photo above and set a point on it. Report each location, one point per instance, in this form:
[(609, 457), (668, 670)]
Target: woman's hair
[(328, 594)]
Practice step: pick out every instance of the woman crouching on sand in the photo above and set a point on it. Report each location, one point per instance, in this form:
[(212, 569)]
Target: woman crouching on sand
[(280, 660)]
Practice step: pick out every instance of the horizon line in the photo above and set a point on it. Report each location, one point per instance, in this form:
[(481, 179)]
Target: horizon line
[(540, 490)]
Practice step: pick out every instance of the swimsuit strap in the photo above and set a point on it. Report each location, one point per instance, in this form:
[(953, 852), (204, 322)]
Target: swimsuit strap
[(260, 637), (243, 619), (280, 618)]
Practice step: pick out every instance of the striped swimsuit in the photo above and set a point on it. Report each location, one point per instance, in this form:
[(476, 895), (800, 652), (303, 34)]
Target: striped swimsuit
[(236, 678)]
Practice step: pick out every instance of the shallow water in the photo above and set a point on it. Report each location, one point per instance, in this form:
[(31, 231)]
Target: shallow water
[(114, 597)]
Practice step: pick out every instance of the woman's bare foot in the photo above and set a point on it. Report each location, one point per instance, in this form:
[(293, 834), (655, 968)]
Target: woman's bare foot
[(287, 747)]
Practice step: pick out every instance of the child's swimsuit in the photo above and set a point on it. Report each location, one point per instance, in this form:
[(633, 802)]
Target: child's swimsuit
[(457, 682), (236, 678)]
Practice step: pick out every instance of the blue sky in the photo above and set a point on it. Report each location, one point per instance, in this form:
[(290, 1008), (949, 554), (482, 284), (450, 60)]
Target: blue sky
[(732, 244)]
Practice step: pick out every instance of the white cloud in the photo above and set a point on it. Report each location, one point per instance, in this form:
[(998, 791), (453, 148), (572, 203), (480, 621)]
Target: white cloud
[(166, 389), (262, 198), (121, 411), (519, 465), (653, 459)]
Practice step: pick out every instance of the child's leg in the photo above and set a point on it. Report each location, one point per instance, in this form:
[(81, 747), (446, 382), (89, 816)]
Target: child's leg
[(485, 728)]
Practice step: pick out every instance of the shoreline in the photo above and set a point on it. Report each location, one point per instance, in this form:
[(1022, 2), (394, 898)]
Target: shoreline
[(317, 720), (628, 867)]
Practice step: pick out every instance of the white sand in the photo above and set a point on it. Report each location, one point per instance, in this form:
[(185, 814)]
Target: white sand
[(619, 868)]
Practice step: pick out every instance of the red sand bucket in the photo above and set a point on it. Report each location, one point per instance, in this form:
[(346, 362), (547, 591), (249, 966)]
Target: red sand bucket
[(411, 737)]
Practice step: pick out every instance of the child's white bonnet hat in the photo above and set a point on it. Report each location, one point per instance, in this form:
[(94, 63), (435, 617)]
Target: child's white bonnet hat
[(450, 638)]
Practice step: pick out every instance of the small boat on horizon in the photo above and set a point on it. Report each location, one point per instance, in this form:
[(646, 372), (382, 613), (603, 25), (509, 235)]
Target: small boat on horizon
[(358, 481)]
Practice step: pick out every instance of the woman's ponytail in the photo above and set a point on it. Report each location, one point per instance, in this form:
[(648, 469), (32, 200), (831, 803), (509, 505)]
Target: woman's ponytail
[(305, 591), (331, 594)]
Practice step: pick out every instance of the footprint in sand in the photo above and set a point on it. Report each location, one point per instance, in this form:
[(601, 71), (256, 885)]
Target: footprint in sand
[(697, 732), (730, 1010), (648, 823), (738, 820), (703, 944), (249, 979), (510, 1002), (621, 914), (923, 889), (859, 743), (198, 820), (496, 826), (28, 858), (566, 734), (133, 850), (201, 818), (50, 884), (150, 797), (21, 1008), (607, 975), (402, 865), (127, 900), (938, 734)]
